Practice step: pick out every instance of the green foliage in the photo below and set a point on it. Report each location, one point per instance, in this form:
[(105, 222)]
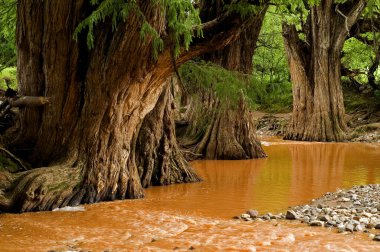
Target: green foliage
[(10, 74), (182, 20), (200, 77), (7, 33), (245, 9), (358, 56), (271, 88)]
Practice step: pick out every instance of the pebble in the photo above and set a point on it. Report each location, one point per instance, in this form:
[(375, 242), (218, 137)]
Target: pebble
[(350, 227), (291, 215), (316, 224), (377, 237), (253, 213)]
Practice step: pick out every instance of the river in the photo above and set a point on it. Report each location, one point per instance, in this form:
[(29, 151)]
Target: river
[(198, 216)]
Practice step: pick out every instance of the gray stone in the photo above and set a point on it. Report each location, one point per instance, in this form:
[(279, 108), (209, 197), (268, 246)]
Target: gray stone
[(253, 213), (359, 228), (316, 223), (291, 215), (369, 215), (377, 237), (364, 221), (341, 228), (244, 216), (377, 207), (266, 217), (344, 199), (324, 218), (350, 227), (330, 224)]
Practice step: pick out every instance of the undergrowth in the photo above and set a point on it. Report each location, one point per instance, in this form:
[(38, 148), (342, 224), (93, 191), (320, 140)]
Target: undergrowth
[(10, 74)]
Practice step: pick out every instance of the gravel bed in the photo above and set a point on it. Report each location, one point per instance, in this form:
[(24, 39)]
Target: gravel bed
[(353, 210)]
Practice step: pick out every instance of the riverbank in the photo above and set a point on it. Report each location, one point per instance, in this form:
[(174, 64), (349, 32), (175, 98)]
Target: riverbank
[(347, 211), (362, 126)]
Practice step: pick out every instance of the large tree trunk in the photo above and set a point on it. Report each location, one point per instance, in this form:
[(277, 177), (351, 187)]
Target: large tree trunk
[(86, 139), (219, 130), (159, 159), (318, 108), (225, 131), (230, 134)]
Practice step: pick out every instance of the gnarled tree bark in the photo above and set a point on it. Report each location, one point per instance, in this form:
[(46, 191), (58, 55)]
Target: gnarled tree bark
[(85, 140), (315, 69), (227, 131)]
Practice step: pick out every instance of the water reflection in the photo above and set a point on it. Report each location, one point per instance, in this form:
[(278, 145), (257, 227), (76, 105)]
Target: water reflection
[(293, 174)]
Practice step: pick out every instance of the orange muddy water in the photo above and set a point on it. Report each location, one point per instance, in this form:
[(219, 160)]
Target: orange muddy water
[(198, 216)]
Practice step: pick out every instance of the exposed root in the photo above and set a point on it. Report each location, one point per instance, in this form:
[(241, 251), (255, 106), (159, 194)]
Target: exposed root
[(40, 189)]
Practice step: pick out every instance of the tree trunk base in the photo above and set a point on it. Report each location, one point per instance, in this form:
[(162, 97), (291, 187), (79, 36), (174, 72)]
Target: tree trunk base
[(160, 161)]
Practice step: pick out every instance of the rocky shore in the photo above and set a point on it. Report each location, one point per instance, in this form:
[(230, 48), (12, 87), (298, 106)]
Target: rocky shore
[(352, 210)]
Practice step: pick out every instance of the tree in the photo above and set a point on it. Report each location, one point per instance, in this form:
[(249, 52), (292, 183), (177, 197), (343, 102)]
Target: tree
[(220, 125), (227, 132), (315, 68), (85, 140)]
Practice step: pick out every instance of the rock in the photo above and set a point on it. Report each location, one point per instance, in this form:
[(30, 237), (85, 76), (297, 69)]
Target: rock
[(364, 221), (316, 223), (324, 218), (350, 227), (377, 226), (306, 219), (359, 228), (253, 213), (330, 224), (344, 199), (245, 217), (369, 215), (371, 236), (266, 217), (357, 203), (377, 237), (341, 228), (377, 207), (291, 215), (327, 210)]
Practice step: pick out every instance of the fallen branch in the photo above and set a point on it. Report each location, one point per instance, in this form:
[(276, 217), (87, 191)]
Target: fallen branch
[(27, 101)]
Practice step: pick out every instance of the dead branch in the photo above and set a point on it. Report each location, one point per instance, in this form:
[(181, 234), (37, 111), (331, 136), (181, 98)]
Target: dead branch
[(28, 101)]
